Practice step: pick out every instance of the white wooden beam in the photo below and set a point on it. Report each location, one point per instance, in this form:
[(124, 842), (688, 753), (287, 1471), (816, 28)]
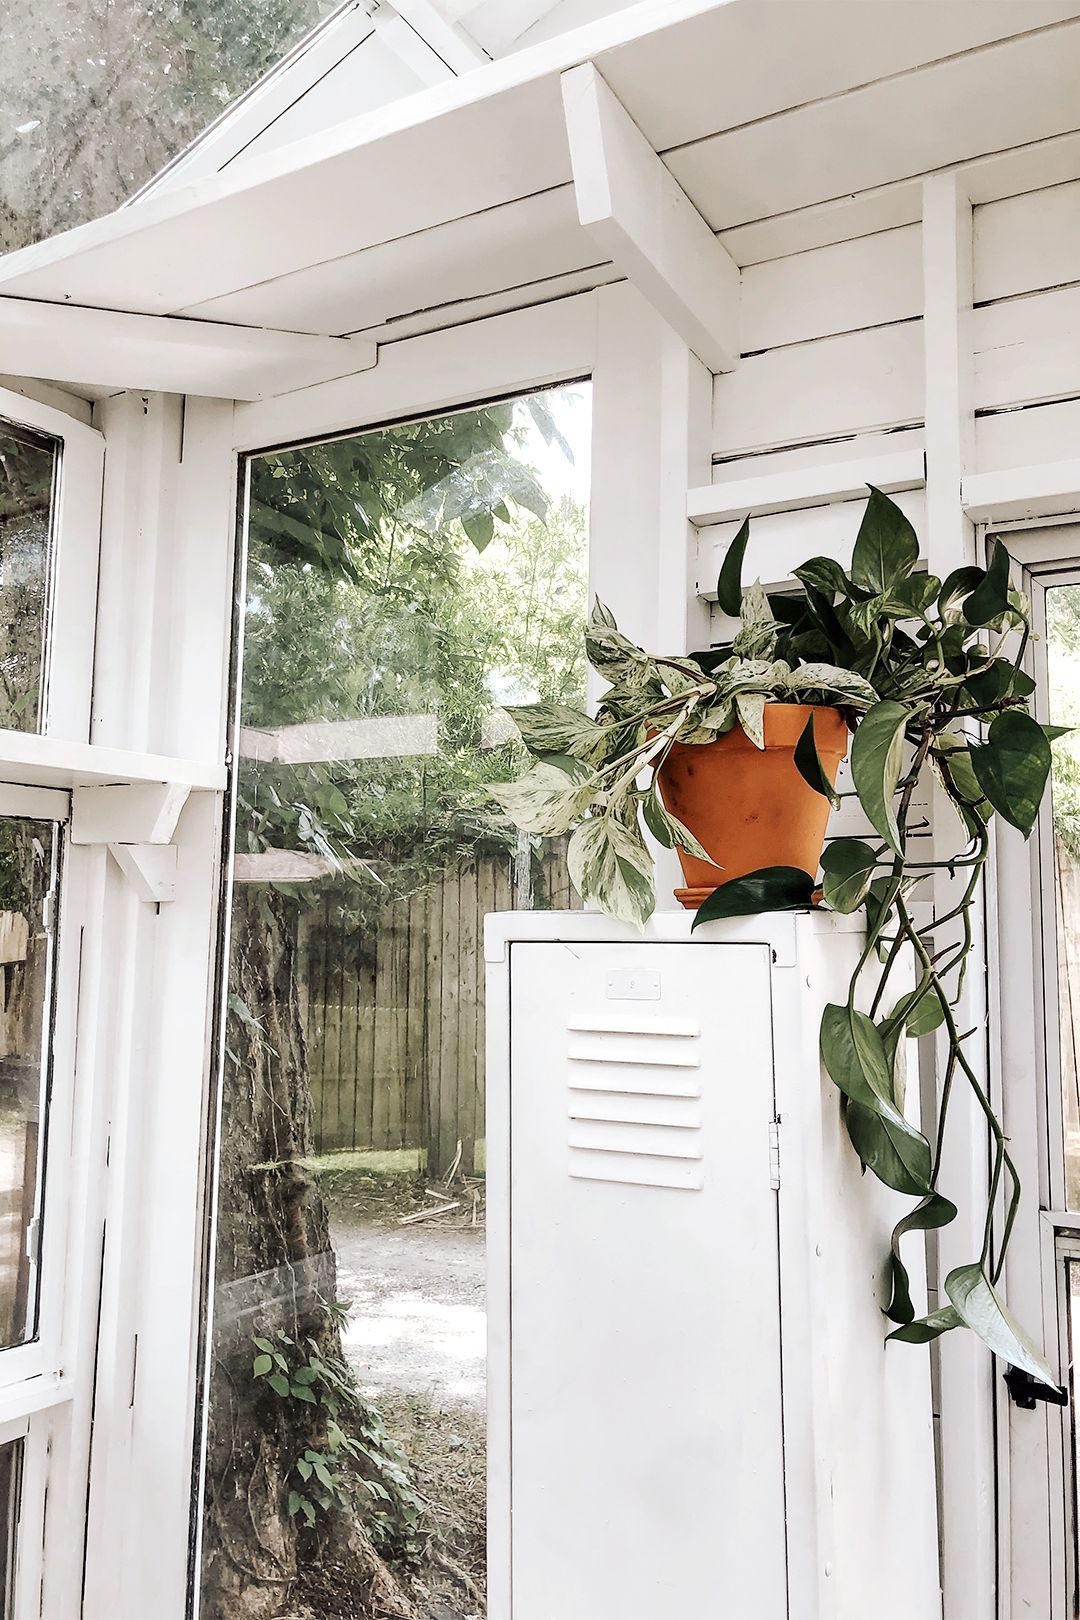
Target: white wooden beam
[(139, 813), (1022, 492), (104, 348), (640, 216), (804, 487), (56, 763)]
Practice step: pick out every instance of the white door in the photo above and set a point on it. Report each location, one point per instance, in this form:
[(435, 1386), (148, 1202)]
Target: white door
[(647, 1450)]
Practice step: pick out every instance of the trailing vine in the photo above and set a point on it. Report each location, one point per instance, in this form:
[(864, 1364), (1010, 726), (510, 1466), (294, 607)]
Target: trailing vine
[(360, 1465), (929, 675)]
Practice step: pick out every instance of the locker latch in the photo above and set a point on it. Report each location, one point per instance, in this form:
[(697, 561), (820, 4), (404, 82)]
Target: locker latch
[(1026, 1390), (774, 1155)]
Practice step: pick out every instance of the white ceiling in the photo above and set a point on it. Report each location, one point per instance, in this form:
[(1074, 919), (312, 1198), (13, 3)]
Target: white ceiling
[(788, 124)]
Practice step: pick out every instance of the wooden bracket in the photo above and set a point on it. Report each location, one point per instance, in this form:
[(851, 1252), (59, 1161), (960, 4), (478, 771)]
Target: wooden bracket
[(149, 868), (632, 205), (142, 813)]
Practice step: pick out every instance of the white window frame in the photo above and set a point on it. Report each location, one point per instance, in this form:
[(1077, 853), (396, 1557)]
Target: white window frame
[(73, 564), (1036, 1553)]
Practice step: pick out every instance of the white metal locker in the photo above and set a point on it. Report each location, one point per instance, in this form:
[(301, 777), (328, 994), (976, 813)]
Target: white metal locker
[(692, 1414)]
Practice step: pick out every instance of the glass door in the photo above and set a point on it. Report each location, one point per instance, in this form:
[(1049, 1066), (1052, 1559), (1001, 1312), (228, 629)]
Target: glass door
[(401, 587)]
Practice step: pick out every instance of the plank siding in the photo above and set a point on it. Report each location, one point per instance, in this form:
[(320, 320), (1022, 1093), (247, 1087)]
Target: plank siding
[(394, 1020)]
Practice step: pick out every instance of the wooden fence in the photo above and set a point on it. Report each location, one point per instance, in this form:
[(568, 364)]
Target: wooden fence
[(395, 1019)]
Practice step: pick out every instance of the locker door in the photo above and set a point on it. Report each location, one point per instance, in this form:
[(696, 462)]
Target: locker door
[(647, 1448)]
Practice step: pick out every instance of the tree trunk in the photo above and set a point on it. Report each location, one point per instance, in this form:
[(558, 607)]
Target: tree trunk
[(276, 1272)]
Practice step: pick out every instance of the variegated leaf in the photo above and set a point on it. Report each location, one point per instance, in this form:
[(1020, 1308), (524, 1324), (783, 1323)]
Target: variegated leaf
[(750, 707), (610, 866), (546, 800), (553, 728)]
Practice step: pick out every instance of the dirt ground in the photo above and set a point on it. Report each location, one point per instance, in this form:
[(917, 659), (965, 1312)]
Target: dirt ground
[(416, 1337)]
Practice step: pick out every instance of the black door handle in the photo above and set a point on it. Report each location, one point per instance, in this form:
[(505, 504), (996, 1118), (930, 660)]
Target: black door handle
[(1026, 1390)]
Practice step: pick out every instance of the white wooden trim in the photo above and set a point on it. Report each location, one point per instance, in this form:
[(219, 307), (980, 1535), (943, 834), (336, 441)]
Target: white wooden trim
[(641, 218), (51, 762), (106, 348), (437, 371), (41, 804), (805, 486), (1022, 492)]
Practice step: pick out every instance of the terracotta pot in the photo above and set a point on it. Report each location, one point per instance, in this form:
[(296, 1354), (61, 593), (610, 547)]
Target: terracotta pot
[(750, 807)]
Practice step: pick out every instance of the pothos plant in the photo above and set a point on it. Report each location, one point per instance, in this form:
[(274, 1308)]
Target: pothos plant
[(928, 673)]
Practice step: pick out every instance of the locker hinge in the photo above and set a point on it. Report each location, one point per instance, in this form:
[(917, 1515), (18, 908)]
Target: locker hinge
[(774, 1155)]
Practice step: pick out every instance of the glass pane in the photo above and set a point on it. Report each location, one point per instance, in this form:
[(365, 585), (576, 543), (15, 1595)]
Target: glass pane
[(1072, 1303), (1063, 660), (27, 481), (28, 854), (11, 1459), (401, 587)]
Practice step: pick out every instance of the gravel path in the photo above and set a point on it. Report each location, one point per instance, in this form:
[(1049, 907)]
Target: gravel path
[(417, 1324)]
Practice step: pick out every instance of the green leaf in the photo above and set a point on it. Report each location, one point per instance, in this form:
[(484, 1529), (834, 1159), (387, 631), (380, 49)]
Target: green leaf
[(872, 1142), (750, 708), (978, 1304), (545, 800), (809, 766), (928, 1015), (1052, 733), (307, 1375), (911, 598), (757, 636), (668, 830), (294, 1503), (886, 548), (824, 574), (773, 888), (729, 584), (1012, 767), (842, 685), (876, 757), (301, 1393), (261, 1344), (933, 1212), (609, 652), (952, 756), (610, 865), (279, 1384), (848, 865), (480, 528), (261, 1366), (554, 728), (928, 1327), (994, 685), (304, 1469), (854, 1055), (960, 583), (990, 598)]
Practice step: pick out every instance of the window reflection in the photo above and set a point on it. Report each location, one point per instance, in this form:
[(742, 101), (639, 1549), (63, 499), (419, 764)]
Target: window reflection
[(11, 1460), (27, 481), (28, 853), (401, 587), (1063, 659)]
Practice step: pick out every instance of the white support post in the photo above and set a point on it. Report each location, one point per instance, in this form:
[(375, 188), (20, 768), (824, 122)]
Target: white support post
[(947, 284), (964, 1390), (634, 208)]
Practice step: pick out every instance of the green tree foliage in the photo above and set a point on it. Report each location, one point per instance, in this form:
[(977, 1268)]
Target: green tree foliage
[(367, 595), (1063, 654), (98, 95)]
